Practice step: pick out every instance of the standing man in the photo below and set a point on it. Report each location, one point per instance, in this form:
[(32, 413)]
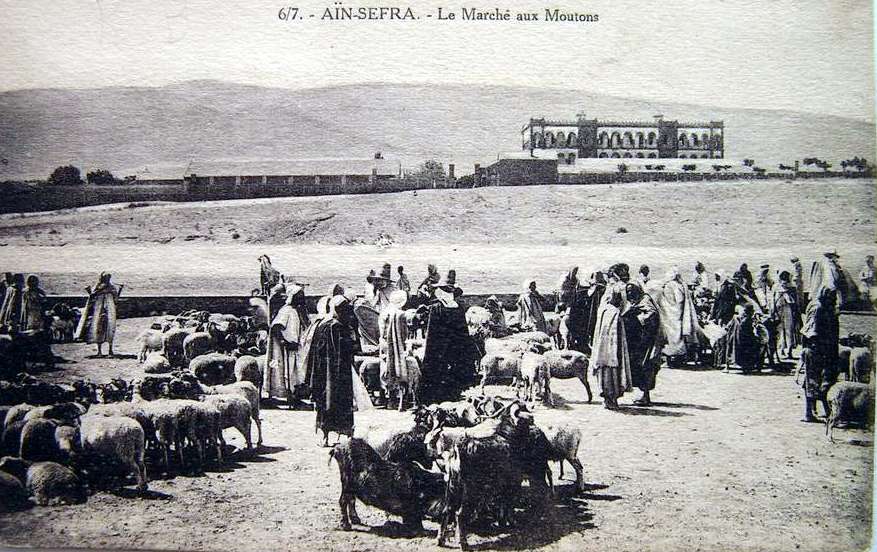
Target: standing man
[(377, 293), (867, 280), (610, 361), (819, 357), (530, 315), (403, 283), (798, 280), (10, 310), (283, 365), (642, 329), (32, 306), (98, 322)]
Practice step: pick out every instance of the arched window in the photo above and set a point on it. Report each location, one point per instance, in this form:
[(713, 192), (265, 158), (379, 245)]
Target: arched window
[(704, 156), (682, 156), (628, 140), (571, 139), (717, 141), (695, 141), (561, 156), (628, 155), (537, 140), (561, 139), (541, 143), (705, 140), (652, 138), (640, 155), (615, 155), (571, 159), (683, 141), (549, 139), (640, 140), (604, 139), (652, 156), (603, 154), (616, 140)]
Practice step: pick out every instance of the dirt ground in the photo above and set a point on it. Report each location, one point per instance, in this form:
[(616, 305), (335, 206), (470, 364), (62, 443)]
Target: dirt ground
[(493, 237), (719, 462)]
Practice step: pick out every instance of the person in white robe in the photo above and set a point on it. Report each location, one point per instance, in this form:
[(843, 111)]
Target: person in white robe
[(393, 325), (530, 314), (98, 322), (285, 371)]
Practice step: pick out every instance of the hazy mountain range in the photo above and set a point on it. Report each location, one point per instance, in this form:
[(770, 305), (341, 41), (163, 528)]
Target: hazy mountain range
[(123, 129)]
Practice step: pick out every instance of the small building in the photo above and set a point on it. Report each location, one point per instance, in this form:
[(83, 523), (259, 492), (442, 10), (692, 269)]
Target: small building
[(514, 171), (566, 141)]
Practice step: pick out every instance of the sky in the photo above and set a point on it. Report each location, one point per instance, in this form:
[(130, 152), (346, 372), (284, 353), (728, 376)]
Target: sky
[(804, 55)]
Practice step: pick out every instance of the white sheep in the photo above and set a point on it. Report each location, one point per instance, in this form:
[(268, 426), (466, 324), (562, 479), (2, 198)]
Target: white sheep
[(245, 390), (861, 364), (150, 341), (235, 412), (156, 363), (566, 364), (518, 342), (849, 402), (251, 369), (49, 483), (172, 345), (118, 438), (16, 414), (506, 365), (565, 440), (533, 374)]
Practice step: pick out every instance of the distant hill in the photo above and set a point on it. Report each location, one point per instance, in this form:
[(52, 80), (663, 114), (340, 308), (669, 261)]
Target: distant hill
[(130, 128)]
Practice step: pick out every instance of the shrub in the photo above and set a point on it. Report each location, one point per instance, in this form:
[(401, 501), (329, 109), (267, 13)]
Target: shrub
[(67, 175), (101, 177)]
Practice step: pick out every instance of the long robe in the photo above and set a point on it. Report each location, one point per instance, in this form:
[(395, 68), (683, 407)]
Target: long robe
[(448, 356), (330, 368), (595, 298), (32, 309), (98, 322), (10, 311), (725, 303), (530, 315), (610, 360), (394, 331), (785, 309), (678, 318), (743, 347), (284, 370), (379, 298), (822, 333), (642, 328), (578, 320)]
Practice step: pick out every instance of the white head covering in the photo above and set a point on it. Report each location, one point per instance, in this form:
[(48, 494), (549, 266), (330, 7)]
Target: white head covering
[(336, 302)]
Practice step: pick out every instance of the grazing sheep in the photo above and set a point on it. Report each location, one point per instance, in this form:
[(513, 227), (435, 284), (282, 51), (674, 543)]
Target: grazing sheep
[(505, 365), (245, 390), (172, 345), (235, 412), (566, 364), (251, 369), (850, 402), (518, 342), (151, 341), (12, 438), (156, 363), (49, 483), (68, 413), (116, 438), (213, 368), (43, 439), (16, 413), (206, 427), (533, 374), (133, 410), (402, 489)]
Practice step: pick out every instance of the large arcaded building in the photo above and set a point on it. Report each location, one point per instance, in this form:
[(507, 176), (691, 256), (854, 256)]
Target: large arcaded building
[(591, 138)]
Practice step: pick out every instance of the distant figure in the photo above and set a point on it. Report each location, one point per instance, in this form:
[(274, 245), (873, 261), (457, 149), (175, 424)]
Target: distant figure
[(746, 277), (377, 293), (764, 289), (497, 325), (726, 300), (643, 277), (798, 280), (820, 355), (642, 329), (98, 322), (403, 283), (699, 278), (425, 289), (10, 310), (596, 290), (678, 319), (785, 309), (32, 300), (268, 275), (530, 315), (867, 279), (744, 347)]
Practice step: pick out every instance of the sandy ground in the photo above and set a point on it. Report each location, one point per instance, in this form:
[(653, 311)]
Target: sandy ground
[(719, 462), (493, 237)]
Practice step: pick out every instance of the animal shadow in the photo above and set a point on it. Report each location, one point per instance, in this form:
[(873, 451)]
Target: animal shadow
[(568, 513), (683, 405), (645, 411), (127, 492)]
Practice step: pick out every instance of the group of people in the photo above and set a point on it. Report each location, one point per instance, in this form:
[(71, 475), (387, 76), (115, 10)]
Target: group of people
[(314, 358), (23, 310)]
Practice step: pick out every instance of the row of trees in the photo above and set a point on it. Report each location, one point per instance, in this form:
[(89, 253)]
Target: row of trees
[(68, 175)]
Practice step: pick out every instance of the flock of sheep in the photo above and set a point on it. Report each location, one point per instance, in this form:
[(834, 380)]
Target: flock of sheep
[(52, 451)]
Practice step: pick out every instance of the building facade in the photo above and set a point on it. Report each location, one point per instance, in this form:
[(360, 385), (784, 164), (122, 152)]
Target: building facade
[(592, 138)]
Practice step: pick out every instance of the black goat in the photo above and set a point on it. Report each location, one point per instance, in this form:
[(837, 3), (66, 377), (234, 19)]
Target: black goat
[(402, 489), (485, 474)]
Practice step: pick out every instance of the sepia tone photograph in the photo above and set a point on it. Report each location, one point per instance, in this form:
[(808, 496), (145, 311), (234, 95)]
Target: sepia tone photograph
[(336, 276)]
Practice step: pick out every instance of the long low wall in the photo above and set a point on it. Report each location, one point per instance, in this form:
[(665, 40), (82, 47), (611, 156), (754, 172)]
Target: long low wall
[(240, 305)]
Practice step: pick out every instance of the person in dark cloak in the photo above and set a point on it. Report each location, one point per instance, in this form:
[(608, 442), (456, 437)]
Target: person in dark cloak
[(595, 293), (10, 310), (726, 300), (642, 326), (574, 298), (330, 368), (744, 347), (746, 277), (821, 334), (448, 357)]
